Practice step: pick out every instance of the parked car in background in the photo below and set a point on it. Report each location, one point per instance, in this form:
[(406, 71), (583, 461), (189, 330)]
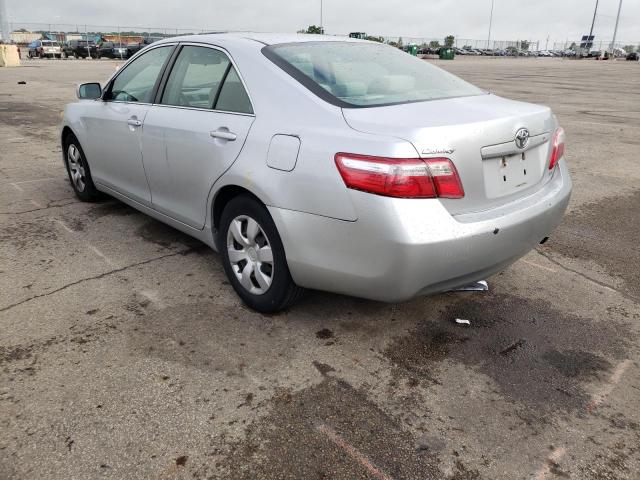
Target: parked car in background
[(393, 180), (80, 49), (44, 49), (133, 48), (112, 50), (633, 56)]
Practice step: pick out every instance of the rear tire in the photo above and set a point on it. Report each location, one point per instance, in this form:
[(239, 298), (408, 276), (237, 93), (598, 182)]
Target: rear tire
[(78, 171), (254, 258)]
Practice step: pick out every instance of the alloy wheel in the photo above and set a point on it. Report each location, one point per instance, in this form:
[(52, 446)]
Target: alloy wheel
[(76, 167), (250, 254)]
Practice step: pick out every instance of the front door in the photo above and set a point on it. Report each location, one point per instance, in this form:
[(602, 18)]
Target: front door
[(195, 133), (114, 126)]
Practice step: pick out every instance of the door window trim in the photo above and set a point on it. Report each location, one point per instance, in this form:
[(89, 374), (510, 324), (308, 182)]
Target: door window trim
[(159, 78), (169, 67)]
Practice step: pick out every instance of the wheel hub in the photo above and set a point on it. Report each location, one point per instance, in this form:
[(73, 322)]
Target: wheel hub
[(250, 254), (76, 167)]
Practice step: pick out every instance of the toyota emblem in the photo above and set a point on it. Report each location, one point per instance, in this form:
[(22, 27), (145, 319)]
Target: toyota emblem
[(522, 138)]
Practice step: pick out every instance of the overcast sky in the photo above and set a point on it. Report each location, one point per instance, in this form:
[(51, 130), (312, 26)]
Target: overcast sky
[(512, 19)]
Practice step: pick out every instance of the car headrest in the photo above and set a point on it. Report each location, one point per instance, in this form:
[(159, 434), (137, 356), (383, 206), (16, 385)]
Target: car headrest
[(390, 84), (350, 89)]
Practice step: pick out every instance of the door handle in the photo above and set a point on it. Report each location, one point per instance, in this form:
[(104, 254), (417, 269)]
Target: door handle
[(223, 134), (134, 122)]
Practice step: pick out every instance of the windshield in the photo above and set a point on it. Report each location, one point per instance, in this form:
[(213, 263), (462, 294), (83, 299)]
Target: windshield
[(358, 74), (50, 43)]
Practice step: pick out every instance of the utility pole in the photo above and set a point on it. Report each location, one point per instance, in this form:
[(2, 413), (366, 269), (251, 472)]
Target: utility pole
[(4, 23), (86, 39), (490, 22), (615, 30), (593, 22), (321, 28)]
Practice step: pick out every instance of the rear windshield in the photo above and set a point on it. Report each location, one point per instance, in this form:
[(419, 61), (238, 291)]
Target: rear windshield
[(358, 74), (50, 43)]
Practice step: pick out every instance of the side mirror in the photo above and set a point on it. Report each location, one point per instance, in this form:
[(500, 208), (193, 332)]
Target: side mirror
[(89, 91)]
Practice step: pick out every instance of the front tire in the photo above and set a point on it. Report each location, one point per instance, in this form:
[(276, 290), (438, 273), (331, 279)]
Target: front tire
[(78, 171), (253, 256)]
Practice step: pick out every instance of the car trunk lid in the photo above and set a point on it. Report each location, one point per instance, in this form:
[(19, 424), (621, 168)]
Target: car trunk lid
[(478, 134)]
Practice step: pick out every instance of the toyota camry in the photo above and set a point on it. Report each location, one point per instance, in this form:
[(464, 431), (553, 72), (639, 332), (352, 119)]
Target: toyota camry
[(321, 162)]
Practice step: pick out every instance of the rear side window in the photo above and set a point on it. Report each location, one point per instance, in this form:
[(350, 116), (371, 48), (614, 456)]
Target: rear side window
[(363, 74), (195, 78), (205, 78), (233, 97), (135, 83)]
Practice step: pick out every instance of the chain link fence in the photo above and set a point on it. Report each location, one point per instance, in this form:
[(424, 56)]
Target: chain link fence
[(23, 33), (26, 32)]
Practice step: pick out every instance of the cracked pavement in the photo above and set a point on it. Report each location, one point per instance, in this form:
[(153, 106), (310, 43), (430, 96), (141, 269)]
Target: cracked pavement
[(124, 352)]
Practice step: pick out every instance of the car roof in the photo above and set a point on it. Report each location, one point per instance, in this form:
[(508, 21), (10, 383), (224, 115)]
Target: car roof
[(263, 38)]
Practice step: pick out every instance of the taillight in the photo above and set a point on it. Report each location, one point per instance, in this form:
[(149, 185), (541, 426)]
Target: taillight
[(400, 177), (557, 147)]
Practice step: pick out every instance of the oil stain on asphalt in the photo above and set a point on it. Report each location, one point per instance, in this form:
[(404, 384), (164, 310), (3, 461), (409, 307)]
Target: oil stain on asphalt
[(536, 355), (111, 208), (35, 120), (164, 235), (23, 233), (338, 432)]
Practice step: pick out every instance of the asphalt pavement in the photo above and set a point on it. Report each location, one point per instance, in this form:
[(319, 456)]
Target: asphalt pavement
[(125, 354)]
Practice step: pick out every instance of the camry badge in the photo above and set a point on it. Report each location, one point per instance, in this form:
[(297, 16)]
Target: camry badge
[(522, 138), (437, 151)]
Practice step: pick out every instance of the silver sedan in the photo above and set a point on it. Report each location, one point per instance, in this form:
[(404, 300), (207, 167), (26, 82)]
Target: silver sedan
[(321, 162)]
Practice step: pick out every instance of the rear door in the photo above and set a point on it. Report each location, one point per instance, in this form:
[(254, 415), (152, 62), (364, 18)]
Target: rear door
[(114, 126), (195, 131)]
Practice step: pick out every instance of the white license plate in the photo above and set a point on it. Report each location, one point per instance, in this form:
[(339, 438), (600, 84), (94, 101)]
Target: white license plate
[(512, 173)]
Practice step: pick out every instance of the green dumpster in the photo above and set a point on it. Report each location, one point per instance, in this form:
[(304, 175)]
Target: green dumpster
[(412, 50), (446, 54)]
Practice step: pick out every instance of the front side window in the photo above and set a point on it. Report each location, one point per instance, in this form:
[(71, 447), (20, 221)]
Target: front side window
[(135, 83), (195, 77), (355, 74)]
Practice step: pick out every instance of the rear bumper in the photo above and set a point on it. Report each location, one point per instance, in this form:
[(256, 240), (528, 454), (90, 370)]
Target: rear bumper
[(400, 248)]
